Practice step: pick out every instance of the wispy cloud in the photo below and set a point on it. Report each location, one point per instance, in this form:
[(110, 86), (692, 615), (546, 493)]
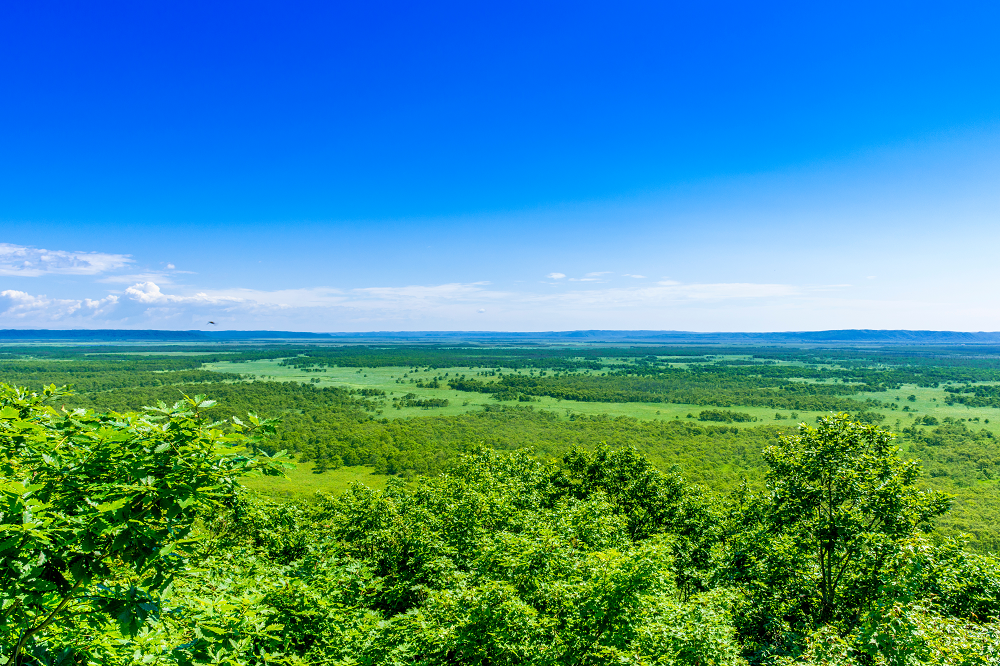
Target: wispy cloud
[(664, 294), (415, 293), (18, 306), (24, 261), (323, 308), (131, 278), (556, 276), (595, 276)]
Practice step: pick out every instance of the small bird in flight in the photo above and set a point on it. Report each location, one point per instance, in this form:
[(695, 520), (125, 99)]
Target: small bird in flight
[(213, 323)]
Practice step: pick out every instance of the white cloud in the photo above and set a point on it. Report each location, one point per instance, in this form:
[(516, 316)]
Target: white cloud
[(556, 276), (146, 304), (149, 293), (591, 277), (638, 277), (132, 278), (24, 261), (19, 306), (415, 293), (664, 305), (664, 294)]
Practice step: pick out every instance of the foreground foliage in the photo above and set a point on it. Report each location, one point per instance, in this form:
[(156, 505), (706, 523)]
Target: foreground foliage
[(599, 558), (95, 512)]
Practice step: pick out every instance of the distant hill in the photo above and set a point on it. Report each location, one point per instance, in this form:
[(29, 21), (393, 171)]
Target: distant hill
[(847, 336)]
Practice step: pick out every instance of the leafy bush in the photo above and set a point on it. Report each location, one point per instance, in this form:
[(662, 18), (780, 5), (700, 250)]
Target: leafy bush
[(95, 515)]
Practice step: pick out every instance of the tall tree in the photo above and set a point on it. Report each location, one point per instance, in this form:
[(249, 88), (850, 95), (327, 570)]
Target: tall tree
[(815, 547)]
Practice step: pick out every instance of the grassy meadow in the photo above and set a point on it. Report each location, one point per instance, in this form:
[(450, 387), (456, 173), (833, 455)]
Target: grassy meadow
[(302, 482), (398, 381)]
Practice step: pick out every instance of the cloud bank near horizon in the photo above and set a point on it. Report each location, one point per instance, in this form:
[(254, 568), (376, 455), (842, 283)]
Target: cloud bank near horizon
[(42, 288), (665, 304)]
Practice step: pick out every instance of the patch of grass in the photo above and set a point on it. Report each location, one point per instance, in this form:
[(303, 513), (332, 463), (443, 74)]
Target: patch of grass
[(302, 483), (385, 378), (929, 400)]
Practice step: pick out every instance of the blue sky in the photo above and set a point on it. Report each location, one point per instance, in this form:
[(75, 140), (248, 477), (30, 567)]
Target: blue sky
[(508, 166)]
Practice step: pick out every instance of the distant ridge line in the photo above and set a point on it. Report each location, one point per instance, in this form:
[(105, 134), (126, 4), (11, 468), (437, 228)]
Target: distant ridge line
[(591, 336)]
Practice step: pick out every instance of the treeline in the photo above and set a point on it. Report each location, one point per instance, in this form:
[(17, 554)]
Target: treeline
[(723, 388), (411, 400), (725, 416), (205, 353), (973, 396), (878, 369), (433, 356), (102, 375)]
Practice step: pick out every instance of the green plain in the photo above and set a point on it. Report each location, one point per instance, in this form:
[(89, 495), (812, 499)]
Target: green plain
[(302, 483), (929, 401)]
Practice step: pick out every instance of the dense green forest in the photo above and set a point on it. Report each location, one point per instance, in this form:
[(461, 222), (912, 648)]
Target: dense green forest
[(334, 427), (127, 539), (330, 426), (695, 387), (396, 576)]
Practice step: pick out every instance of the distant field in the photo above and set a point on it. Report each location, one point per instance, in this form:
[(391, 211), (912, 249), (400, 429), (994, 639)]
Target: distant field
[(929, 401), (302, 483), (461, 402)]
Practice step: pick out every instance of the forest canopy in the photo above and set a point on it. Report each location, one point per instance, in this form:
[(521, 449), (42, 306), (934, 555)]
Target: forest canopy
[(153, 553)]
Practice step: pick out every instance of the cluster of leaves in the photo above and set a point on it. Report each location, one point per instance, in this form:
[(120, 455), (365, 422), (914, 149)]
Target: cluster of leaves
[(506, 560), (95, 514)]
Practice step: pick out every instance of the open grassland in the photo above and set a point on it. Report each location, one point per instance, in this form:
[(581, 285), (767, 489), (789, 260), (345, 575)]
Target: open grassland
[(302, 482), (399, 381), (929, 402)]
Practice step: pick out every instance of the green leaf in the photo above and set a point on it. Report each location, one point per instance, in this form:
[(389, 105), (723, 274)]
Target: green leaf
[(112, 506)]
